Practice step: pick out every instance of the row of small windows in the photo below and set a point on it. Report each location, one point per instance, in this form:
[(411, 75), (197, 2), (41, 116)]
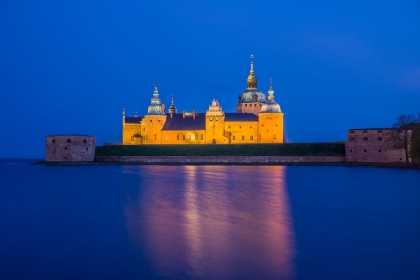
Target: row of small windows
[(365, 139), (250, 105), (69, 141), (364, 131), (365, 150)]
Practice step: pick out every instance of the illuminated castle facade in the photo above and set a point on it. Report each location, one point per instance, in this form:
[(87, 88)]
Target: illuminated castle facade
[(257, 120)]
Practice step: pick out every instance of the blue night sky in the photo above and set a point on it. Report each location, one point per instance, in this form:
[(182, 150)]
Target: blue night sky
[(71, 66)]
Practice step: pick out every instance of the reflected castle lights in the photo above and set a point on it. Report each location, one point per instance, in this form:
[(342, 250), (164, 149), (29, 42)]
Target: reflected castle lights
[(206, 217)]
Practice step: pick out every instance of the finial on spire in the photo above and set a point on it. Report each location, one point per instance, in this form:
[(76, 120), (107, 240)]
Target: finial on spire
[(252, 65), (172, 99), (156, 82), (271, 83)]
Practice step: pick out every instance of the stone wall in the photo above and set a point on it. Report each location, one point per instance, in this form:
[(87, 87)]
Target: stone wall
[(220, 159), (371, 145), (70, 148)]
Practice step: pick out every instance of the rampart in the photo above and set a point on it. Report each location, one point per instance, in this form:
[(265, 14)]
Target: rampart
[(372, 145), (70, 148), (221, 159)]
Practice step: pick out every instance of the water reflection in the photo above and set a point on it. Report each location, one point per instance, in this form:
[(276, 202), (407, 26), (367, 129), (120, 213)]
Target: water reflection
[(213, 221)]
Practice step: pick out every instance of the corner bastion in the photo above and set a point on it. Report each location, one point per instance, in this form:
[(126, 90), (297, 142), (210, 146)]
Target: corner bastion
[(70, 148)]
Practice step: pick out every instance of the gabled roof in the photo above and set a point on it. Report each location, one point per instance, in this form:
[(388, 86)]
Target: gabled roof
[(133, 119), (241, 117), (178, 122)]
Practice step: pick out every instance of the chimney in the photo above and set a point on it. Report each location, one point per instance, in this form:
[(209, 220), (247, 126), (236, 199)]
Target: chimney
[(183, 114), (194, 115)]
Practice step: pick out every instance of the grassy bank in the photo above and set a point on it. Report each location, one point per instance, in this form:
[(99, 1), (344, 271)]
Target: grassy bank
[(290, 149)]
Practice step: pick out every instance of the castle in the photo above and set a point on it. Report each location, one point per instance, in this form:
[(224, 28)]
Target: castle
[(256, 120)]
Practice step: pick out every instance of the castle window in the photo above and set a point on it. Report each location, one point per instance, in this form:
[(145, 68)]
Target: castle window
[(260, 105), (255, 105), (365, 138), (183, 137), (68, 141), (251, 137), (177, 137), (380, 139), (155, 136), (364, 131), (276, 125), (65, 148), (202, 136), (351, 151), (196, 137), (53, 141), (233, 137), (132, 138), (150, 120), (146, 137), (274, 136), (250, 127), (380, 150), (365, 150), (217, 119), (351, 139), (158, 120), (131, 127), (240, 127), (84, 141), (262, 125), (189, 137), (246, 105), (87, 149), (243, 137)]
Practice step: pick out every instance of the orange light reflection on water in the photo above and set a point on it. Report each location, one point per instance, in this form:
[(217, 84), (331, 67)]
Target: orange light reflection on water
[(214, 221)]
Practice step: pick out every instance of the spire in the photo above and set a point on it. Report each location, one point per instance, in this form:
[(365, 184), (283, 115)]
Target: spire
[(172, 108), (271, 91), (156, 92), (252, 80)]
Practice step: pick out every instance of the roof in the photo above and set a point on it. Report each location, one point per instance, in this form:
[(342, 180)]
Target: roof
[(133, 119), (241, 117), (383, 128), (69, 135), (178, 122)]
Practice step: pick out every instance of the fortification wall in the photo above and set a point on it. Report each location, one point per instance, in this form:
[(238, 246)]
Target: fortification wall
[(70, 148), (371, 145), (220, 159)]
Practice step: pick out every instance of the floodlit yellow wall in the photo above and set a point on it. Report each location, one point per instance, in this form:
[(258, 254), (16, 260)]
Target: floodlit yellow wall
[(215, 130), (242, 132), (270, 128), (131, 133), (152, 130), (183, 137)]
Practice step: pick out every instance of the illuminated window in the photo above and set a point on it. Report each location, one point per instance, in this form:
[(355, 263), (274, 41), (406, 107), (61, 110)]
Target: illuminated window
[(177, 137), (217, 119), (233, 137), (183, 137), (251, 137), (243, 137), (166, 138)]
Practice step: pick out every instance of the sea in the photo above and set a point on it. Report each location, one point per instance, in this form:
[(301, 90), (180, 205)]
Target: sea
[(208, 222)]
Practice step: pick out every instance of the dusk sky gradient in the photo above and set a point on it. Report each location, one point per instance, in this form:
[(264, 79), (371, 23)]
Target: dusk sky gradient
[(72, 66)]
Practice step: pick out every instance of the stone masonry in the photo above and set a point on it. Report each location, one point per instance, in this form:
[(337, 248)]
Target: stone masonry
[(70, 148)]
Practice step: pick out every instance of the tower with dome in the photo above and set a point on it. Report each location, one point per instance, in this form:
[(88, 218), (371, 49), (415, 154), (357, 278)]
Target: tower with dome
[(256, 120)]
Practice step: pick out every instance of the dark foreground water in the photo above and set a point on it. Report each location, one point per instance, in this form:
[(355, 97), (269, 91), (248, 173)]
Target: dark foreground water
[(208, 222)]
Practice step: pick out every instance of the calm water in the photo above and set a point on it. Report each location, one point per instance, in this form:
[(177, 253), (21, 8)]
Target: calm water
[(208, 222)]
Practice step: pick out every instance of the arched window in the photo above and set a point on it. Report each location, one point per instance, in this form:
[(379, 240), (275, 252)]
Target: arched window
[(84, 141)]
